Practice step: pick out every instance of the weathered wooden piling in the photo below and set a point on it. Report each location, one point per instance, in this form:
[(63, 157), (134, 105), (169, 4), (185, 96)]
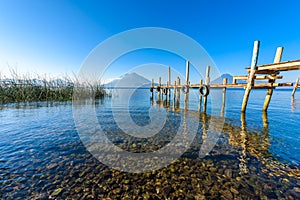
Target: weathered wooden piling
[(250, 81), (223, 97), (174, 95), (152, 90), (277, 59), (200, 96), (169, 78), (178, 87), (295, 88), (187, 72), (178, 92), (207, 82), (159, 91)]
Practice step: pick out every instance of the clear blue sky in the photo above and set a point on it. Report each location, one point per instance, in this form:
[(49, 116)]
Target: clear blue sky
[(55, 36)]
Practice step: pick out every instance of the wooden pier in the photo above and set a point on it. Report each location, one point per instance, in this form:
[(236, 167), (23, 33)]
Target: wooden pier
[(268, 72)]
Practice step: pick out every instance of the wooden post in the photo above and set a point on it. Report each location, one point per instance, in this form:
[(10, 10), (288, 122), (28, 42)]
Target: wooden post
[(174, 96), (152, 86), (207, 81), (159, 83), (169, 78), (277, 59), (295, 88), (224, 97), (169, 74), (187, 72), (178, 93), (178, 86), (250, 81), (167, 87), (200, 96)]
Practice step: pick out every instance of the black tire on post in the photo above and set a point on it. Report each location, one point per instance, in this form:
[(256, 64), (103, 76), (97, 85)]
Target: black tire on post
[(151, 89), (204, 90), (158, 89), (165, 91), (185, 89)]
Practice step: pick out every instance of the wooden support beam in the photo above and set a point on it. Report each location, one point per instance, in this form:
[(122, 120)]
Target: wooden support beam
[(257, 77), (240, 77), (271, 85), (277, 59), (244, 85), (250, 80), (275, 67), (187, 72), (295, 87)]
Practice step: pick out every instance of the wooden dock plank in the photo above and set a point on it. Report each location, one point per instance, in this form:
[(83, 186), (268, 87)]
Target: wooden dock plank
[(241, 85), (257, 77), (276, 67)]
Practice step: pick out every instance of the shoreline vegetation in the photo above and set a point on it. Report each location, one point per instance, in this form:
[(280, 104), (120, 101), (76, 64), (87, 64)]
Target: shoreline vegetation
[(24, 89)]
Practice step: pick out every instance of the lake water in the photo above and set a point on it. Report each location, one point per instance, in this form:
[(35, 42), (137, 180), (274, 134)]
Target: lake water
[(256, 156)]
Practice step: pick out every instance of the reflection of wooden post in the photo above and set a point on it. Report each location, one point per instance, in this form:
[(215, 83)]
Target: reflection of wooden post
[(224, 97), (187, 72), (293, 104), (207, 80), (277, 59), (243, 141), (250, 81), (243, 122), (265, 119), (200, 97), (295, 87), (186, 101)]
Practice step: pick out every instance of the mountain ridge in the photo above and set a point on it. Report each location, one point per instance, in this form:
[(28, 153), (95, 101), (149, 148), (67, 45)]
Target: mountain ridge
[(131, 79)]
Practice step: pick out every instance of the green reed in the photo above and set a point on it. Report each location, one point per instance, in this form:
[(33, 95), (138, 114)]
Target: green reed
[(26, 89)]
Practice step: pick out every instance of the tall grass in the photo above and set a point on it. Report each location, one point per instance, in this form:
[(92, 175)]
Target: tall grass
[(28, 89)]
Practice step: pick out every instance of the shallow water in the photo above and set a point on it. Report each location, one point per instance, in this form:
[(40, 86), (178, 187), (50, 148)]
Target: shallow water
[(256, 156)]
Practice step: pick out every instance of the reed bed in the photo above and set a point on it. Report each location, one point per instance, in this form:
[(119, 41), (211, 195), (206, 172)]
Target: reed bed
[(26, 89)]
